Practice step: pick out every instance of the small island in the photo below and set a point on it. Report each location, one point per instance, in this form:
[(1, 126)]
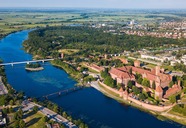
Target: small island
[(33, 67)]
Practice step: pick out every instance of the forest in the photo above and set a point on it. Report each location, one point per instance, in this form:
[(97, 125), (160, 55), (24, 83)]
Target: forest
[(47, 41)]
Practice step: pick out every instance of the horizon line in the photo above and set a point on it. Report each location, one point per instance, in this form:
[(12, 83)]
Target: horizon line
[(94, 8)]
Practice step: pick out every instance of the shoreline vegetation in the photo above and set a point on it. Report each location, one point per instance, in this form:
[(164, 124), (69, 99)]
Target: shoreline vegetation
[(69, 69), (33, 67)]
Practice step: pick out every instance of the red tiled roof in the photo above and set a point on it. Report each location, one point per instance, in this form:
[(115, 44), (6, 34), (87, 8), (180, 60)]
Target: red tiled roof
[(175, 88), (125, 61), (97, 67), (159, 89), (121, 89), (149, 74), (55, 126), (120, 74)]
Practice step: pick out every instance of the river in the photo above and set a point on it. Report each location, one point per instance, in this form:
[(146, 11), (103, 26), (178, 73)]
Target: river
[(96, 109)]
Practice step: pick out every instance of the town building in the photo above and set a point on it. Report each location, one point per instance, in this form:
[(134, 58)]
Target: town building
[(96, 67), (2, 120), (124, 61), (143, 56)]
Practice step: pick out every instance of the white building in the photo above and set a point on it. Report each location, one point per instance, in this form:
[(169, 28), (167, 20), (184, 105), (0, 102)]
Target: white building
[(168, 58), (152, 57), (183, 59)]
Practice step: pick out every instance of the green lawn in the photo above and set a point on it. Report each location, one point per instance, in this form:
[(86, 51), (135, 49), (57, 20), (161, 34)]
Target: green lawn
[(69, 51), (34, 120)]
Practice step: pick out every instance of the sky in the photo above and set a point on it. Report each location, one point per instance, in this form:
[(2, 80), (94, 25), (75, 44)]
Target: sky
[(125, 4)]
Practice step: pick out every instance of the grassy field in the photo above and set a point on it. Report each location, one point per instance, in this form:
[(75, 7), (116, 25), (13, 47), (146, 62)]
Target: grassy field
[(34, 120), (13, 20), (68, 51)]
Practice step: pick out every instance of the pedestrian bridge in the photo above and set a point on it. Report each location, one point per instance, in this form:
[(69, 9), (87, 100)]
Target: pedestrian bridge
[(25, 62), (62, 92)]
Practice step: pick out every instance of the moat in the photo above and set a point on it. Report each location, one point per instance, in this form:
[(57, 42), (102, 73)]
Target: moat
[(96, 109)]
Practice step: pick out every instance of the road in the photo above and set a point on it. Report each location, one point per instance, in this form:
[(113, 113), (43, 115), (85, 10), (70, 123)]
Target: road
[(50, 114), (95, 85)]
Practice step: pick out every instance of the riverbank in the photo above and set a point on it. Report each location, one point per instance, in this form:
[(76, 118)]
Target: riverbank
[(68, 69), (164, 115), (3, 89), (34, 69)]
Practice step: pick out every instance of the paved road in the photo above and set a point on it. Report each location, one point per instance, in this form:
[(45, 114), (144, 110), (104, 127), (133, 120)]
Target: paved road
[(95, 85), (3, 89), (52, 115)]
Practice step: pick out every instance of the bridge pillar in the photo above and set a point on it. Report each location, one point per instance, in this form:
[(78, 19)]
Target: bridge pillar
[(59, 93), (12, 64), (43, 61), (46, 97), (28, 62)]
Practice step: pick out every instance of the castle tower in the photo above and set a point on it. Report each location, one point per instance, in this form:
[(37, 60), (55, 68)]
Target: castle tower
[(158, 92), (157, 70)]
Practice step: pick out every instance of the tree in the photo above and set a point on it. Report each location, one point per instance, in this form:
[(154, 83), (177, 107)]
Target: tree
[(139, 80), (119, 85), (172, 99), (55, 108), (16, 116), (82, 125), (130, 71), (142, 96), (20, 95), (153, 85), (11, 102), (171, 84), (184, 90), (104, 74), (109, 81), (19, 114), (135, 90), (129, 84), (62, 126), (45, 119), (35, 109), (22, 124), (64, 114), (184, 83), (4, 110), (11, 110), (16, 124), (2, 100), (146, 82)]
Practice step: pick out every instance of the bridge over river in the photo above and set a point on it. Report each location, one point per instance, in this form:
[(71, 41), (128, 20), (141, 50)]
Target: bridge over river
[(62, 92), (25, 62)]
